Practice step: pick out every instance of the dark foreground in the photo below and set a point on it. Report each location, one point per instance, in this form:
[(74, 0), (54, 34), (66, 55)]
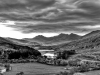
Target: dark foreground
[(34, 69)]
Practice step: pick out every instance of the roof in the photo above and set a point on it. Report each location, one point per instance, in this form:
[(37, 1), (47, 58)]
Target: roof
[(49, 54), (45, 50)]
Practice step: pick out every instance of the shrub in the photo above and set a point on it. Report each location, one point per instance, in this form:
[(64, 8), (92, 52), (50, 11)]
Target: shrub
[(65, 73), (65, 54), (74, 62), (83, 68), (60, 62), (21, 73), (63, 62)]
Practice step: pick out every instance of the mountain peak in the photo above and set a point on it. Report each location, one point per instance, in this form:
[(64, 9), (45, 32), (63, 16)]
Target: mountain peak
[(62, 34), (73, 34), (40, 36), (95, 31), (57, 39)]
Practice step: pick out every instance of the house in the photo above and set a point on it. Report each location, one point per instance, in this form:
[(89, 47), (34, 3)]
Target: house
[(49, 55), (2, 69)]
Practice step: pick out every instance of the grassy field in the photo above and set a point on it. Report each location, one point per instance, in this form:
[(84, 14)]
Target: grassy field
[(93, 72), (34, 69)]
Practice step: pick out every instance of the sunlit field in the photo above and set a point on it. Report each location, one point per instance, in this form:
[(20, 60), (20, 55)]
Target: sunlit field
[(34, 69)]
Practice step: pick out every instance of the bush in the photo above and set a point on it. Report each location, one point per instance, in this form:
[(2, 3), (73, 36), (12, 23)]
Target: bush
[(74, 62), (65, 54), (21, 73), (65, 73), (63, 62), (92, 65), (83, 68), (60, 62)]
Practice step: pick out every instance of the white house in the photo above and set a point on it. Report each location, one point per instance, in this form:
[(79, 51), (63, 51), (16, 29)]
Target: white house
[(50, 55), (2, 69)]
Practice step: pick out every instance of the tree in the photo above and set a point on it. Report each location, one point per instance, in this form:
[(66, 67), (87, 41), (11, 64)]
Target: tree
[(65, 54)]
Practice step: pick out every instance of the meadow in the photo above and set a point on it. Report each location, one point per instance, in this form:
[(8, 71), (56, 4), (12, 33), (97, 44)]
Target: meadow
[(34, 69), (93, 72)]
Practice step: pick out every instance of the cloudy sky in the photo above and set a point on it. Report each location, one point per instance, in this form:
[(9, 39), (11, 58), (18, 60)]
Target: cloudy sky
[(29, 18)]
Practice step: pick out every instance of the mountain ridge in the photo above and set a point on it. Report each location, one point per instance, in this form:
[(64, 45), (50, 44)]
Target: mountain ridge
[(56, 39), (88, 41)]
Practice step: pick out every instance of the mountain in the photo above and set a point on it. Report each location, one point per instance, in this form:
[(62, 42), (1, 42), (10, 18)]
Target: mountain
[(4, 40), (88, 42), (61, 38), (24, 42)]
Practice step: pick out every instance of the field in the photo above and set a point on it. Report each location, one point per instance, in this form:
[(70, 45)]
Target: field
[(34, 69), (93, 72)]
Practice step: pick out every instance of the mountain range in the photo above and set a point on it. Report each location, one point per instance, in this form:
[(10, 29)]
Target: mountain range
[(61, 38), (36, 42), (63, 41), (85, 46)]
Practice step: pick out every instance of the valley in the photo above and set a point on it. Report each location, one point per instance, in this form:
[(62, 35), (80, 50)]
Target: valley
[(49, 37), (32, 53)]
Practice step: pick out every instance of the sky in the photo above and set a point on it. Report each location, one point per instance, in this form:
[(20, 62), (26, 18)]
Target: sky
[(29, 18)]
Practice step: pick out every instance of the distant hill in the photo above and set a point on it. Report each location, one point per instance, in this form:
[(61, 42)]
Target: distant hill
[(4, 40), (61, 38), (24, 42), (89, 41), (91, 33)]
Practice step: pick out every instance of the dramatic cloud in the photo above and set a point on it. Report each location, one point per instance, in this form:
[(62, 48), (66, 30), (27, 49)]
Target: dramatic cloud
[(51, 16)]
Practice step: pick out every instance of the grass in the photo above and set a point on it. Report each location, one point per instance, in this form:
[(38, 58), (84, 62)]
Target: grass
[(34, 69), (93, 72)]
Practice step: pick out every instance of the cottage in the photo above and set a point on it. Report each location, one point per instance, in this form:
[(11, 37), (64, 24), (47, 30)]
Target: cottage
[(50, 55)]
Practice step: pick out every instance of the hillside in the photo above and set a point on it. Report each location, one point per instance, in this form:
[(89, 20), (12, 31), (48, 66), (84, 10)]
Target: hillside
[(24, 42), (15, 50), (89, 41), (87, 47)]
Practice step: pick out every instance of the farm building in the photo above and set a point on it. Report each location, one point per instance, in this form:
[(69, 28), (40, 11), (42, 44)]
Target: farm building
[(50, 55)]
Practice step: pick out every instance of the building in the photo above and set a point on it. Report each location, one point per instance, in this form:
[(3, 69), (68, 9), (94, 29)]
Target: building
[(49, 55), (2, 69)]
